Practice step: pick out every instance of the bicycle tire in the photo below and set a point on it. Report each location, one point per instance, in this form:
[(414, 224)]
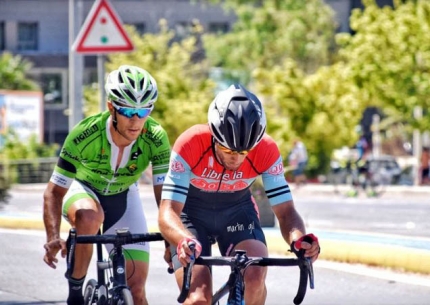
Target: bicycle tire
[(125, 297), (90, 292)]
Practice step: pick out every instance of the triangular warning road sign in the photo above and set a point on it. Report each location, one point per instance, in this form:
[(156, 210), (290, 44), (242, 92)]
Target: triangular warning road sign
[(102, 32)]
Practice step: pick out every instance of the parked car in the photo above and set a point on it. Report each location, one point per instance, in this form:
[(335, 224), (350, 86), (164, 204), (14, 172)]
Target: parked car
[(386, 168)]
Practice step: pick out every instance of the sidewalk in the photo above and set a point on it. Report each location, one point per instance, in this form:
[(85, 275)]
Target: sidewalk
[(391, 251)]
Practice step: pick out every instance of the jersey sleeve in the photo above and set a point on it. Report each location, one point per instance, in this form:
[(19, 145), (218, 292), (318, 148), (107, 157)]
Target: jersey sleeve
[(177, 181), (275, 184), (67, 164)]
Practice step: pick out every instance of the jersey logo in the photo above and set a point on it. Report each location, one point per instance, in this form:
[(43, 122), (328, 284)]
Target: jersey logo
[(136, 154), (85, 134), (276, 169), (213, 174), (224, 187), (177, 166), (132, 168)]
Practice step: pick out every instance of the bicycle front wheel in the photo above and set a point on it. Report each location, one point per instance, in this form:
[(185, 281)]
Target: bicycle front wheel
[(90, 292), (125, 297)]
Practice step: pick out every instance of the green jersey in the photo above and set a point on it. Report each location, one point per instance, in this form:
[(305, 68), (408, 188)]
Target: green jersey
[(90, 156)]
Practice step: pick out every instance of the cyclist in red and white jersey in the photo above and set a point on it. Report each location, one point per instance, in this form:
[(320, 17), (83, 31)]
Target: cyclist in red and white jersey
[(206, 193)]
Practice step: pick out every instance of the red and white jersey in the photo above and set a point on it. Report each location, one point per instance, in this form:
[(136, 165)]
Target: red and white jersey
[(195, 176)]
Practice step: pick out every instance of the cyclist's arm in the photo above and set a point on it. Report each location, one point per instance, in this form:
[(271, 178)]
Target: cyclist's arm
[(60, 181), (157, 193), (170, 223), (52, 206), (277, 189), (292, 228), (173, 197), (290, 223)]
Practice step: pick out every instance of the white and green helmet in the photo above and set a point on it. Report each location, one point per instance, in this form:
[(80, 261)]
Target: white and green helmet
[(131, 86)]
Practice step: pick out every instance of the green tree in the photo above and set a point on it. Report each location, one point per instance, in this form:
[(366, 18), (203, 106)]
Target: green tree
[(269, 32), (389, 58), (321, 108), (14, 73)]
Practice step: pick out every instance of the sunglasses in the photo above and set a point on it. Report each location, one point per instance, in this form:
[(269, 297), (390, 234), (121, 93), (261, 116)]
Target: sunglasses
[(130, 112), (232, 152)]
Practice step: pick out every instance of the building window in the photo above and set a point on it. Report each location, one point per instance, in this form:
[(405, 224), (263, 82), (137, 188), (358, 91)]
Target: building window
[(2, 36), (53, 84), (27, 36), (218, 27), (52, 88)]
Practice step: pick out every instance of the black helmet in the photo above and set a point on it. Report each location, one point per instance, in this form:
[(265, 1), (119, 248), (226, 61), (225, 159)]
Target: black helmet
[(236, 118)]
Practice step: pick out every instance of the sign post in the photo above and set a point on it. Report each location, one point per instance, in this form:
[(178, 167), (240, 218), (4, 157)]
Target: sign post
[(102, 33)]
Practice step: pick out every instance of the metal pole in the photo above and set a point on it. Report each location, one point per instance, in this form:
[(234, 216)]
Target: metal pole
[(376, 136), (101, 80), (417, 146), (75, 65)]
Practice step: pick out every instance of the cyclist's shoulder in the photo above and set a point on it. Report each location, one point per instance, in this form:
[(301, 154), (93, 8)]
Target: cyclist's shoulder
[(154, 132), (198, 133), (88, 128), (194, 144), (267, 145)]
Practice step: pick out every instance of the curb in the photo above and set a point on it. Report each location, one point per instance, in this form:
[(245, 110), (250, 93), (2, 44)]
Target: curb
[(388, 256), (23, 223)]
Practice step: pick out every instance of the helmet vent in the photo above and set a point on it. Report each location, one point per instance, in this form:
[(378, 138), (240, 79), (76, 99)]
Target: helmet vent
[(147, 94), (116, 92), (217, 135), (129, 94), (132, 83)]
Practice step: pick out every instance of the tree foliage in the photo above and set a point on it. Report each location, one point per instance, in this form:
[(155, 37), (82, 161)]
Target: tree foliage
[(321, 109), (269, 32), (389, 58), (14, 73), (15, 148)]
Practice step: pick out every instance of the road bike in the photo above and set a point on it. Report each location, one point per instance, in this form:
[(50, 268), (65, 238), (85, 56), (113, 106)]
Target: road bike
[(234, 287), (110, 287)]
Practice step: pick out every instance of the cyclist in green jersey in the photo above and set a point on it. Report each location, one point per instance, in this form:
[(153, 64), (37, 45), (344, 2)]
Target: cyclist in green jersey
[(95, 182)]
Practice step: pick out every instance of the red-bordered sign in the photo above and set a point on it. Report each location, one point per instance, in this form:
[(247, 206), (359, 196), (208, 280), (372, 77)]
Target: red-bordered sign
[(102, 32)]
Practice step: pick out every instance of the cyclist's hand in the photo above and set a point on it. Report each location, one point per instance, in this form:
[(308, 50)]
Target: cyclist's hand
[(52, 247), (309, 243), (185, 254), (168, 257)]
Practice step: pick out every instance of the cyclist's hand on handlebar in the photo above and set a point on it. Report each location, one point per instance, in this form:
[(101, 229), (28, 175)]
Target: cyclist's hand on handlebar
[(52, 247), (168, 257), (185, 254), (309, 243)]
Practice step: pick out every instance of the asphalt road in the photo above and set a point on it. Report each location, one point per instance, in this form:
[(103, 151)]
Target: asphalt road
[(394, 218), (25, 279)]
